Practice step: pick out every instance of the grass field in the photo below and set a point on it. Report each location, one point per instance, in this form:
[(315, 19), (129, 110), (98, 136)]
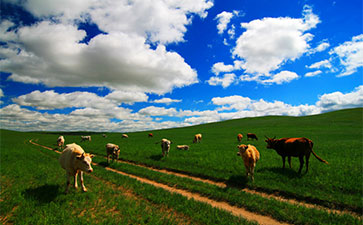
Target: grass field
[(27, 174)]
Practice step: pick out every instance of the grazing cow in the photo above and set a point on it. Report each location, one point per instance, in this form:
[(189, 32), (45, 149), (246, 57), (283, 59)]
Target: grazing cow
[(150, 135), (112, 150), (197, 138), (293, 147), (239, 137), (104, 135), (75, 161), (251, 136), (165, 146), (85, 138), (125, 136), (60, 141), (182, 147), (250, 156)]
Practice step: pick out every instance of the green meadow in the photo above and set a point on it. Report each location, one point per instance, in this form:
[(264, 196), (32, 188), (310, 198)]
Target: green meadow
[(32, 182)]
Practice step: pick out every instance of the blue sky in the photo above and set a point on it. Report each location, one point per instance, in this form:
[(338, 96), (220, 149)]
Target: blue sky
[(141, 65)]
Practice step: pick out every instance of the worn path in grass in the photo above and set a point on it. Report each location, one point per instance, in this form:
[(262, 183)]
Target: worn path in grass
[(218, 204), (216, 183)]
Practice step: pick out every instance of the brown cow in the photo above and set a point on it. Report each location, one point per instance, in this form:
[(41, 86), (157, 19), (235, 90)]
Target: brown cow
[(250, 156), (293, 147), (239, 137), (150, 135), (252, 136), (197, 138)]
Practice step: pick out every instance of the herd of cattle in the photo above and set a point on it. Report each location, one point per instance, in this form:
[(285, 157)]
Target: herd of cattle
[(75, 161)]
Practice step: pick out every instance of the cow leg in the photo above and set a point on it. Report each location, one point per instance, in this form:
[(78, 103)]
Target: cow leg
[(68, 182), (252, 173), (301, 158), (82, 183), (289, 160), (283, 162), (307, 161), (75, 181), (247, 171)]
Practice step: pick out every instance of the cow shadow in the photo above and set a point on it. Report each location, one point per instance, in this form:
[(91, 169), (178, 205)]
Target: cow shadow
[(43, 194), (157, 157), (237, 181), (287, 172)]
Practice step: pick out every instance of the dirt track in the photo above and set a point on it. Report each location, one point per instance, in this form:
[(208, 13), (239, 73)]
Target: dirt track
[(222, 205)]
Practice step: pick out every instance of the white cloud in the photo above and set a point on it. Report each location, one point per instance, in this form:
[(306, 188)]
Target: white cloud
[(52, 53), (224, 81), (350, 54), (313, 74), (1, 93), (157, 111), (268, 43), (223, 19), (166, 100), (321, 64), (127, 97), (322, 46), (282, 77), (232, 102)]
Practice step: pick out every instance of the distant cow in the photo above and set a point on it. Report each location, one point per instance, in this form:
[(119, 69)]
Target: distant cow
[(104, 135), (113, 150), (125, 136), (60, 141), (85, 138), (150, 135), (182, 147), (75, 161), (250, 156), (165, 146), (293, 147), (251, 136), (197, 138), (239, 137)]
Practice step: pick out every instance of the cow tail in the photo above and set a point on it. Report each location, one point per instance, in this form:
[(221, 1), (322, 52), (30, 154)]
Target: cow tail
[(320, 159)]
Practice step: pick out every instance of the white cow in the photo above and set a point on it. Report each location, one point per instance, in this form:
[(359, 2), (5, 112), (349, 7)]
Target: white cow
[(75, 161), (113, 150), (182, 147), (60, 141), (165, 146), (85, 138)]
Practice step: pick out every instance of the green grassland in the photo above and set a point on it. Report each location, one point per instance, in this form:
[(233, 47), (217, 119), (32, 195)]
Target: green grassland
[(337, 138)]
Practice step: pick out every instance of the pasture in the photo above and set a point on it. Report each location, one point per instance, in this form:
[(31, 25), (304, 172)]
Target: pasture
[(32, 179)]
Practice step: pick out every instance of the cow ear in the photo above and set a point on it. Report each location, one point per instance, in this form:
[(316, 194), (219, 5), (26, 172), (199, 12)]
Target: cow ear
[(80, 156)]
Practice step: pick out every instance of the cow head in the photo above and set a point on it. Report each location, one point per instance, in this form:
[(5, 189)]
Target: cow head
[(270, 142), (84, 162), (116, 151), (241, 149)]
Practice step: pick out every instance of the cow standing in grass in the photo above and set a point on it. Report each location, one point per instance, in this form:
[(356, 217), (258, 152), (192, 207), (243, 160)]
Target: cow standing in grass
[(293, 147), (197, 138), (113, 150), (252, 136), (85, 138), (60, 141), (75, 161), (165, 146), (150, 135), (239, 137), (250, 156)]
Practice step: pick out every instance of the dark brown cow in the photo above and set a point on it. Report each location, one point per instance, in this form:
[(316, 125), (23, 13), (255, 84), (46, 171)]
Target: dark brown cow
[(252, 136), (293, 147)]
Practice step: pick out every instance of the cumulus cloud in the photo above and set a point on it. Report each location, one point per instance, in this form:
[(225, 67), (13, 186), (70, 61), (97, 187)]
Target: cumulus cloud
[(52, 52), (282, 77), (166, 101), (157, 111), (350, 54), (224, 81), (313, 74), (268, 43), (223, 19)]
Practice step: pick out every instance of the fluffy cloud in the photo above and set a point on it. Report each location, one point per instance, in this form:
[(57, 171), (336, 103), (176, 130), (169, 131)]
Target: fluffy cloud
[(223, 19), (225, 81), (350, 54), (313, 74), (166, 101), (52, 53), (282, 77), (157, 111), (270, 42)]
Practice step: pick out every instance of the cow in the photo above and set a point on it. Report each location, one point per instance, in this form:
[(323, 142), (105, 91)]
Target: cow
[(252, 136), (125, 136), (197, 138), (239, 137), (250, 156), (104, 135), (182, 147), (75, 161), (150, 135), (85, 138), (165, 146), (293, 147), (113, 150), (60, 141)]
